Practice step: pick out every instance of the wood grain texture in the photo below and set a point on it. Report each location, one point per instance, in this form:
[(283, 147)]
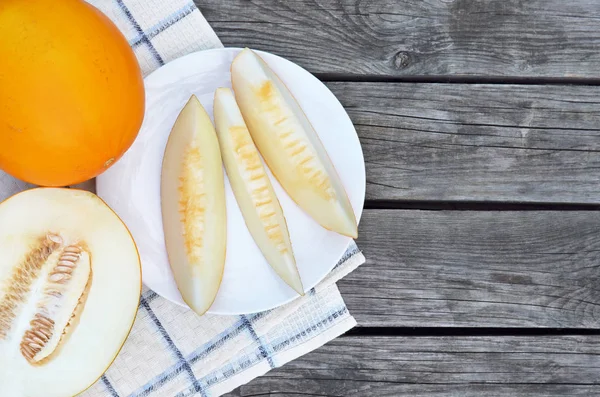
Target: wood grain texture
[(536, 38), (455, 142), (439, 366), (477, 269)]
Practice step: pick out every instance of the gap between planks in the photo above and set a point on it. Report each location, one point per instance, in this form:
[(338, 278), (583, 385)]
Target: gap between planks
[(492, 80), (476, 206), (462, 331)]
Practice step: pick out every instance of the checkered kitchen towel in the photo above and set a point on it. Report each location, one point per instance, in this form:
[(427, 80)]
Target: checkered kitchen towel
[(171, 351)]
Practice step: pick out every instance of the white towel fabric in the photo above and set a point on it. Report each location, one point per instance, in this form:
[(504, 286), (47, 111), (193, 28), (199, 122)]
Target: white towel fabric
[(171, 351)]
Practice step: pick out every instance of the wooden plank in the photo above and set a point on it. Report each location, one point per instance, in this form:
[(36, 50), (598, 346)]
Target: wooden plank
[(477, 269), (536, 38), (457, 142), (454, 142), (439, 366)]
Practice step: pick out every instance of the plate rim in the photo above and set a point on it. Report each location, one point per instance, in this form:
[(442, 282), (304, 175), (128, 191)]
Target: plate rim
[(182, 60)]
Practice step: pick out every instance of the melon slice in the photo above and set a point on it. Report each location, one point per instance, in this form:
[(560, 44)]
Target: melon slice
[(70, 283), (289, 144), (193, 207), (253, 190)]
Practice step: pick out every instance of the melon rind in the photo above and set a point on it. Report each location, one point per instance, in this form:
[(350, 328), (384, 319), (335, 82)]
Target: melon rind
[(253, 189), (193, 207), (290, 145), (99, 327)]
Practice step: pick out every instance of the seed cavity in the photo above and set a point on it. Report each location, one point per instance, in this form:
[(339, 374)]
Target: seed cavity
[(18, 285), (37, 337), (61, 302), (297, 147), (67, 275), (258, 185), (193, 202), (55, 277)]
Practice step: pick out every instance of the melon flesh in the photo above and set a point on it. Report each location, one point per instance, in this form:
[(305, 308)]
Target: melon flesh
[(193, 207), (253, 190), (70, 284), (289, 144)]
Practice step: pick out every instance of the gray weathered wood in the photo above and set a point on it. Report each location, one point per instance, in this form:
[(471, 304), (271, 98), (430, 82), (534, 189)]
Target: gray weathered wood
[(10, 186), (455, 142), (440, 366), (477, 269), (477, 142), (549, 38)]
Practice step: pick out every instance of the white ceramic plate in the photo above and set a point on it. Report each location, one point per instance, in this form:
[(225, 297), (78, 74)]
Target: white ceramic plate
[(132, 186)]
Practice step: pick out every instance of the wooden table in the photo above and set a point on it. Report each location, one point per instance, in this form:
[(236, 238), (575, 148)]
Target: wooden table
[(480, 125)]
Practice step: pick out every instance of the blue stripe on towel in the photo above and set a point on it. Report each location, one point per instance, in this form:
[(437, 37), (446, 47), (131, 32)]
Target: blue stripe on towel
[(150, 296), (245, 362), (184, 363), (350, 252), (198, 354), (261, 346), (141, 33), (240, 365), (329, 319), (164, 24), (109, 387)]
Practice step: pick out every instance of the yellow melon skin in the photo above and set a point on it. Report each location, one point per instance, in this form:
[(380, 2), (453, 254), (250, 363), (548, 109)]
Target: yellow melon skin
[(72, 95), (70, 283)]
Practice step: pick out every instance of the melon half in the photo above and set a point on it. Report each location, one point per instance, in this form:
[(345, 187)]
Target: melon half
[(70, 283)]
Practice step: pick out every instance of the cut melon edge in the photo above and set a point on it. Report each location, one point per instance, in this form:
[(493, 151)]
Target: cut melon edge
[(126, 337)]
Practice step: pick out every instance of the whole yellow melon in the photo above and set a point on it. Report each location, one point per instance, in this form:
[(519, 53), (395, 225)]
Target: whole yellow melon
[(71, 91)]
